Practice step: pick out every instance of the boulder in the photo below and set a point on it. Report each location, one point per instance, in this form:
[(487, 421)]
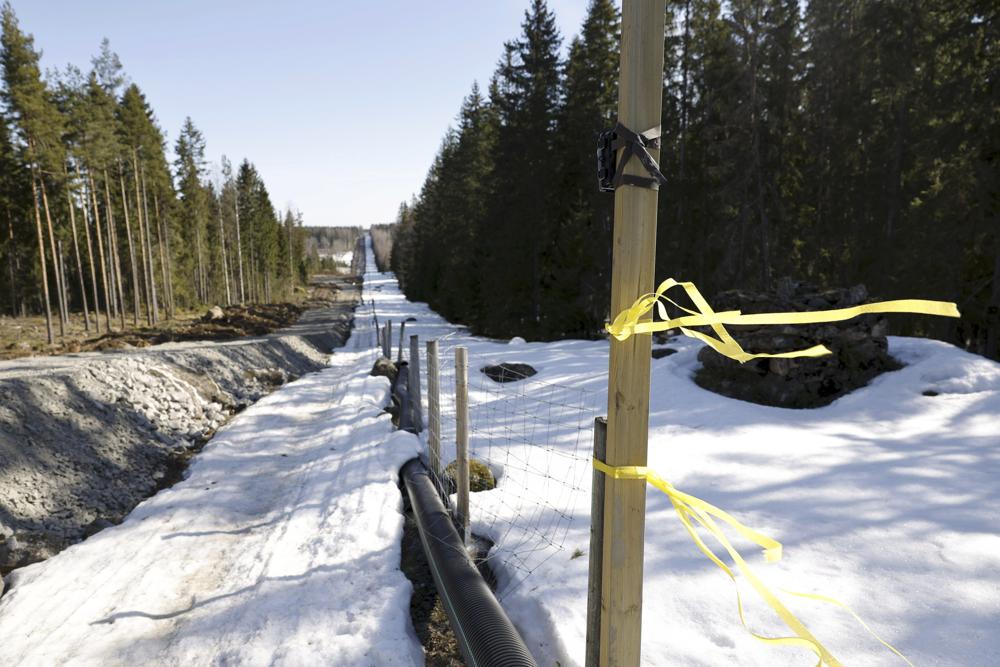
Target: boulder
[(214, 313), (859, 347), (507, 372)]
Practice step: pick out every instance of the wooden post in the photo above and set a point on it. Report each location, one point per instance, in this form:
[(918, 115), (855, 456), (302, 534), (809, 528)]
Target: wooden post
[(416, 413), (434, 407), (639, 99), (402, 334), (387, 343), (462, 438), (596, 553)]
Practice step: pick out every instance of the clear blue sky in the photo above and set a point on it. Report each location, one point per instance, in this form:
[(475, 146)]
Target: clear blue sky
[(341, 105)]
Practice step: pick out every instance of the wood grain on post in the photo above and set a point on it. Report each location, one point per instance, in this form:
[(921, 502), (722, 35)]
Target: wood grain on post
[(639, 100), (434, 407), (462, 438), (596, 552), (416, 412)]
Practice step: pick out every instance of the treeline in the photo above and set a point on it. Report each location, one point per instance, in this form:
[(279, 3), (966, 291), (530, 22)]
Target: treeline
[(95, 219), (331, 249), (382, 239), (831, 142)]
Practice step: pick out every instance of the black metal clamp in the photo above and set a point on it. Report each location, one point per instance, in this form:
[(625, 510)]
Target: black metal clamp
[(611, 169)]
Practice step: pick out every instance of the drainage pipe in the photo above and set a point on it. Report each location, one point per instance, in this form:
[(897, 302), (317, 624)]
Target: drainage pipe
[(485, 635)]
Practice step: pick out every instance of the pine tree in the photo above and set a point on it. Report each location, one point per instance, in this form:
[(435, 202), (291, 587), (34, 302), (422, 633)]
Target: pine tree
[(38, 125)]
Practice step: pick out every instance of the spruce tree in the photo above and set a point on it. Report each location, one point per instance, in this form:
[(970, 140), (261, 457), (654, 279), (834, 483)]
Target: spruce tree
[(579, 266)]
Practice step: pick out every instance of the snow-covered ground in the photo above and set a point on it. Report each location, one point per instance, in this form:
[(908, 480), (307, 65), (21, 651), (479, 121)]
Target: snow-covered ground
[(888, 500), (283, 544), (281, 547)]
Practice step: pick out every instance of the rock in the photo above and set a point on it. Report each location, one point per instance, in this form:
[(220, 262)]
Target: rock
[(859, 347), (214, 313), (507, 372), (385, 368), (517, 340), (480, 476), (660, 352)]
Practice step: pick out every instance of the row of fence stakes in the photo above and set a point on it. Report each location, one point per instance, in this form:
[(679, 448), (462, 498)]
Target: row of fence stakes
[(462, 474), (433, 423)]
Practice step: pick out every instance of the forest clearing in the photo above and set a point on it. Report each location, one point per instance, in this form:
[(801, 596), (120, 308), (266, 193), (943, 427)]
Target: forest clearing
[(682, 348)]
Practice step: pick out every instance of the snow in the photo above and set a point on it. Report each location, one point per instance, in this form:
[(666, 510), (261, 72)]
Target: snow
[(887, 499), (283, 544)]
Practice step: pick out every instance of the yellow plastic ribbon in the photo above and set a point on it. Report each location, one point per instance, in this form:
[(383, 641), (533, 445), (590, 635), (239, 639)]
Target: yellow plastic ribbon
[(636, 319), (690, 508)]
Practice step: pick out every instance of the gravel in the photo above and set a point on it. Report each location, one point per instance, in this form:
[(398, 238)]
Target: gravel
[(85, 438)]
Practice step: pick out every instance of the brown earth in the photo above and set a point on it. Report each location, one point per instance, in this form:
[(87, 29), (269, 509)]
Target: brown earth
[(24, 337)]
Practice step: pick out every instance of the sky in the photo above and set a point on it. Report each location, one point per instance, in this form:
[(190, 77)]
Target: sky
[(341, 105)]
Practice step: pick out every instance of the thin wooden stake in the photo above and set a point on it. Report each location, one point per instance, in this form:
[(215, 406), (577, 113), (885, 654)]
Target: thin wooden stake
[(387, 343), (434, 407), (416, 413), (593, 654), (462, 438), (639, 105), (402, 335)]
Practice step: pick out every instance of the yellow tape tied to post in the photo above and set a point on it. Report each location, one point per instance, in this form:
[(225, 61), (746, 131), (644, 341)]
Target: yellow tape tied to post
[(690, 510), (637, 319)]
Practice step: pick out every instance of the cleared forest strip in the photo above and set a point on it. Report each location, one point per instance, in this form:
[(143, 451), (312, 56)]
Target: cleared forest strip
[(85, 438)]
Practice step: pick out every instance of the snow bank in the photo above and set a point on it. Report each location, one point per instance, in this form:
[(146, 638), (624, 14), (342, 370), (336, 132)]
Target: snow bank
[(281, 546), (887, 499)]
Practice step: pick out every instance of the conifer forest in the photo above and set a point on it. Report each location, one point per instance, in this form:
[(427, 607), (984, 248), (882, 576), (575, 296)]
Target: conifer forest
[(99, 226), (833, 143)]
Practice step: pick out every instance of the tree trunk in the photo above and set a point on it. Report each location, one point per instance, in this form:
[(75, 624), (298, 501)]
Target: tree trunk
[(202, 291), (41, 257), (108, 298), (90, 252), (76, 252), (62, 270), (239, 251), (60, 290), (131, 248), (149, 247), (225, 260), (10, 264), (113, 236), (165, 255), (147, 274)]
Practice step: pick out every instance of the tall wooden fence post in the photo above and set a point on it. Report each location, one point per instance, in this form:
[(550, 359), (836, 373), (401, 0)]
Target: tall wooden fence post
[(462, 438), (416, 411), (434, 407), (639, 101), (387, 343), (596, 552)]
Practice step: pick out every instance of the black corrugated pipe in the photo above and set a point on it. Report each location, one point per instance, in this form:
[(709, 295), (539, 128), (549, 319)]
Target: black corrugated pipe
[(485, 635)]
